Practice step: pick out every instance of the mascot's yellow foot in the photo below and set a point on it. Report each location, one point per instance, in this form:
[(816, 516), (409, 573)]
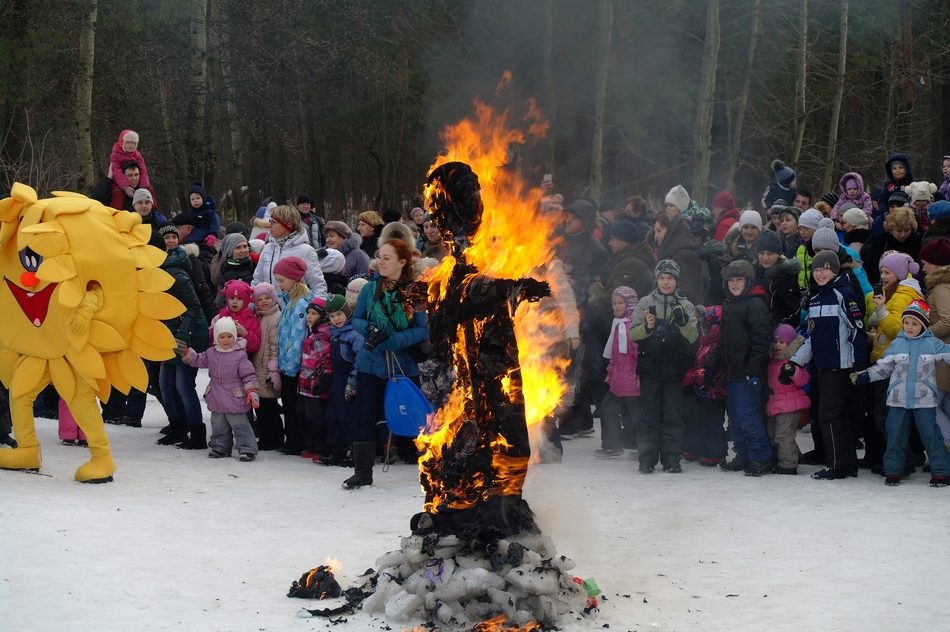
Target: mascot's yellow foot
[(24, 458), (99, 469)]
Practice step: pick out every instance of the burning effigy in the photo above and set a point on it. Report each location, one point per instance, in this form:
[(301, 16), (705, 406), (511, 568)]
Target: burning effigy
[(476, 559)]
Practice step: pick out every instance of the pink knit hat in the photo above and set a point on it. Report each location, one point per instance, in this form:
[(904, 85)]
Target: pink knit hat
[(291, 267), (784, 333), (262, 289), (900, 264)]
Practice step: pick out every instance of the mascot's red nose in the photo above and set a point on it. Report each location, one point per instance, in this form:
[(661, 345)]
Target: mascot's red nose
[(28, 280)]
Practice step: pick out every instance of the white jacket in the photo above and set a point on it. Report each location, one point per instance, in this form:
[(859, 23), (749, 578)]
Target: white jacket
[(297, 246)]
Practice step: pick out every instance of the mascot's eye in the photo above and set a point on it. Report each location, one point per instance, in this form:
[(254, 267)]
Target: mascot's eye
[(30, 260)]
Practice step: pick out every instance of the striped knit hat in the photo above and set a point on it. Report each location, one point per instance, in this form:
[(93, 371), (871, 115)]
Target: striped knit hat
[(919, 310)]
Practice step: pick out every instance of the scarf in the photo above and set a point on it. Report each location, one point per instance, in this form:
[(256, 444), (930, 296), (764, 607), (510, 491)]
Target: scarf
[(617, 328), (391, 312), (282, 240)]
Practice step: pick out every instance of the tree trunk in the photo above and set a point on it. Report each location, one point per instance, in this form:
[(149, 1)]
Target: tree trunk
[(83, 108), (548, 150), (736, 144), (704, 108), (230, 127), (800, 87), (199, 80), (600, 99), (826, 182)]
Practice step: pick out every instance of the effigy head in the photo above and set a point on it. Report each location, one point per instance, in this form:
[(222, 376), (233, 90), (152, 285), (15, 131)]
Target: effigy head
[(456, 200)]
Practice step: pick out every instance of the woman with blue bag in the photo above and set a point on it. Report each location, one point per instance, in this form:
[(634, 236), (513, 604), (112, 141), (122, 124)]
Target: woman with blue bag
[(389, 325)]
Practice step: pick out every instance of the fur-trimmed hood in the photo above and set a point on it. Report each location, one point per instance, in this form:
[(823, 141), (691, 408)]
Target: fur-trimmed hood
[(790, 350), (851, 175), (191, 250), (352, 242), (939, 276), (783, 267)]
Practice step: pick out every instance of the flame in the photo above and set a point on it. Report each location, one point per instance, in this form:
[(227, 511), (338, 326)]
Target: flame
[(333, 565), (515, 240), (495, 624)]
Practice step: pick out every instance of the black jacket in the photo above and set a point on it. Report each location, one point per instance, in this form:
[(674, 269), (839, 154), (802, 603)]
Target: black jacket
[(744, 337), (873, 250), (192, 326), (784, 295)]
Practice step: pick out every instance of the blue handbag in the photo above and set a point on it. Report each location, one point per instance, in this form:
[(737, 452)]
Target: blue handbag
[(406, 407)]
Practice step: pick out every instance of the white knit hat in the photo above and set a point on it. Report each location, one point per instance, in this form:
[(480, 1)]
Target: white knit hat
[(678, 197), (750, 218), (856, 217), (224, 326), (810, 219)]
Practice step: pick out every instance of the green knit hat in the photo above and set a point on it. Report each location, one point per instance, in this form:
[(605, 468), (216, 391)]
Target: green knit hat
[(335, 303)]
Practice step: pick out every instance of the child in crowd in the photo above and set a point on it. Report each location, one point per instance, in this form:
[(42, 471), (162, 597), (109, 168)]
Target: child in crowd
[(782, 186), (743, 352), (899, 173), (231, 393), (740, 242), (269, 425), (345, 343), (944, 189), (910, 361), (291, 332), (123, 151), (205, 210), (808, 223), (837, 341), (314, 382), (624, 393), (353, 292), (787, 399), (705, 439), (664, 326), (852, 190), (921, 196), (238, 308), (69, 431)]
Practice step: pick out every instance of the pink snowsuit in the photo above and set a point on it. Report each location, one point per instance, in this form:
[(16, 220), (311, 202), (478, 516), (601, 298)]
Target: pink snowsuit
[(120, 156), (68, 428)]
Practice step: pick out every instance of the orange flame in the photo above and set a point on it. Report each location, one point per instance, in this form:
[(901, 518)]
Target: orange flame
[(495, 624), (333, 565), (515, 240)]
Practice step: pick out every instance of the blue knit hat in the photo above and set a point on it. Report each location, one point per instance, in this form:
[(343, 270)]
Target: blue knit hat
[(200, 190), (939, 210), (783, 174)]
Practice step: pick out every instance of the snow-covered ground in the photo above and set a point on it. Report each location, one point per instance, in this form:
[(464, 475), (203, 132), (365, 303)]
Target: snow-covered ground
[(183, 542)]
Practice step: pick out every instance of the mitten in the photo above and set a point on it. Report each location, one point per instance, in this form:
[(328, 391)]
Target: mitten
[(350, 391), (273, 374), (752, 383), (211, 240), (861, 377), (188, 355), (786, 373), (91, 303), (680, 317), (597, 294), (253, 398)]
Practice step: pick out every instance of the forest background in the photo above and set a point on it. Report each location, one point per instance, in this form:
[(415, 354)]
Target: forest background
[(344, 99)]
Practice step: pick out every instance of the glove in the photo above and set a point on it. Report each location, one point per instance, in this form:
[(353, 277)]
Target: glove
[(752, 383), (861, 377), (786, 373), (79, 322), (597, 293), (188, 355), (273, 374), (211, 240), (680, 317), (350, 391), (253, 398)]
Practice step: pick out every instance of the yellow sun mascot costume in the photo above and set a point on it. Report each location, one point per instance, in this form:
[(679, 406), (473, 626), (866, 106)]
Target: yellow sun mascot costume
[(81, 298)]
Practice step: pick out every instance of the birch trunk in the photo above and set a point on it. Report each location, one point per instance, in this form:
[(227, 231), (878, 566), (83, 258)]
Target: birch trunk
[(600, 99), (704, 109), (736, 144), (826, 182), (551, 113), (83, 106), (800, 87)]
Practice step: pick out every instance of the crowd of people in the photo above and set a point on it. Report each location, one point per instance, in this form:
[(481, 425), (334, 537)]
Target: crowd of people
[(686, 328)]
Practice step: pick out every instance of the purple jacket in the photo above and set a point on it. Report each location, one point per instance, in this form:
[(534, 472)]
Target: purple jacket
[(232, 376), (622, 369)]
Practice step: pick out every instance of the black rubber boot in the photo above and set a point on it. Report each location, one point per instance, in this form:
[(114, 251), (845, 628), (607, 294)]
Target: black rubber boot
[(364, 453), (177, 432), (197, 439)]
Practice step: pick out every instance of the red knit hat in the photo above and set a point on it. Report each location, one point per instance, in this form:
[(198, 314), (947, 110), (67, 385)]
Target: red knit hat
[(724, 200), (291, 267), (936, 252)]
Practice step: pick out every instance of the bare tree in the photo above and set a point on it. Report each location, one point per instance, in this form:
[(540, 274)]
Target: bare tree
[(826, 182), (600, 99), (800, 112), (736, 139), (704, 109), (83, 104), (551, 110)]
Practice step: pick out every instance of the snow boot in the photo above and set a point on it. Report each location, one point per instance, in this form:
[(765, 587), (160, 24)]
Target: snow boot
[(892, 480), (364, 453), (197, 439), (939, 481), (177, 432), (735, 465), (758, 468)]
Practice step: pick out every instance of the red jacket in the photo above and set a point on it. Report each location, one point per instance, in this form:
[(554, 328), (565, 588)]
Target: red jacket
[(725, 222)]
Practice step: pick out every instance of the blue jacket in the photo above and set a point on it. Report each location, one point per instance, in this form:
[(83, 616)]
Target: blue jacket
[(350, 344), (911, 364), (208, 221), (374, 362), (292, 330), (836, 328)]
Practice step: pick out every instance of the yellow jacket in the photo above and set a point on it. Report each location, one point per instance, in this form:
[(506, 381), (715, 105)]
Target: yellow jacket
[(890, 322)]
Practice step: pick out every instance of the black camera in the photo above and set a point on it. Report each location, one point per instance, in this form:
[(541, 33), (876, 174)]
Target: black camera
[(374, 336)]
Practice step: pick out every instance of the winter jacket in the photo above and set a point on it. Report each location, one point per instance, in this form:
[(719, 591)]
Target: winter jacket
[(708, 384), (268, 322), (584, 259), (296, 245), (780, 283), (435, 250), (369, 244), (208, 221), (664, 353), (890, 321), (622, 368), (357, 261), (787, 398), (713, 257), (874, 249), (727, 219), (311, 225), (775, 192), (291, 332), (737, 248), (837, 339), (743, 347), (191, 327), (349, 344), (336, 283), (911, 365), (118, 200), (633, 267), (943, 191), (938, 286), (118, 157), (679, 246), (851, 261), (374, 362), (224, 269), (856, 239), (246, 319), (862, 200), (891, 185), (315, 368), (201, 280), (805, 254), (232, 376)]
